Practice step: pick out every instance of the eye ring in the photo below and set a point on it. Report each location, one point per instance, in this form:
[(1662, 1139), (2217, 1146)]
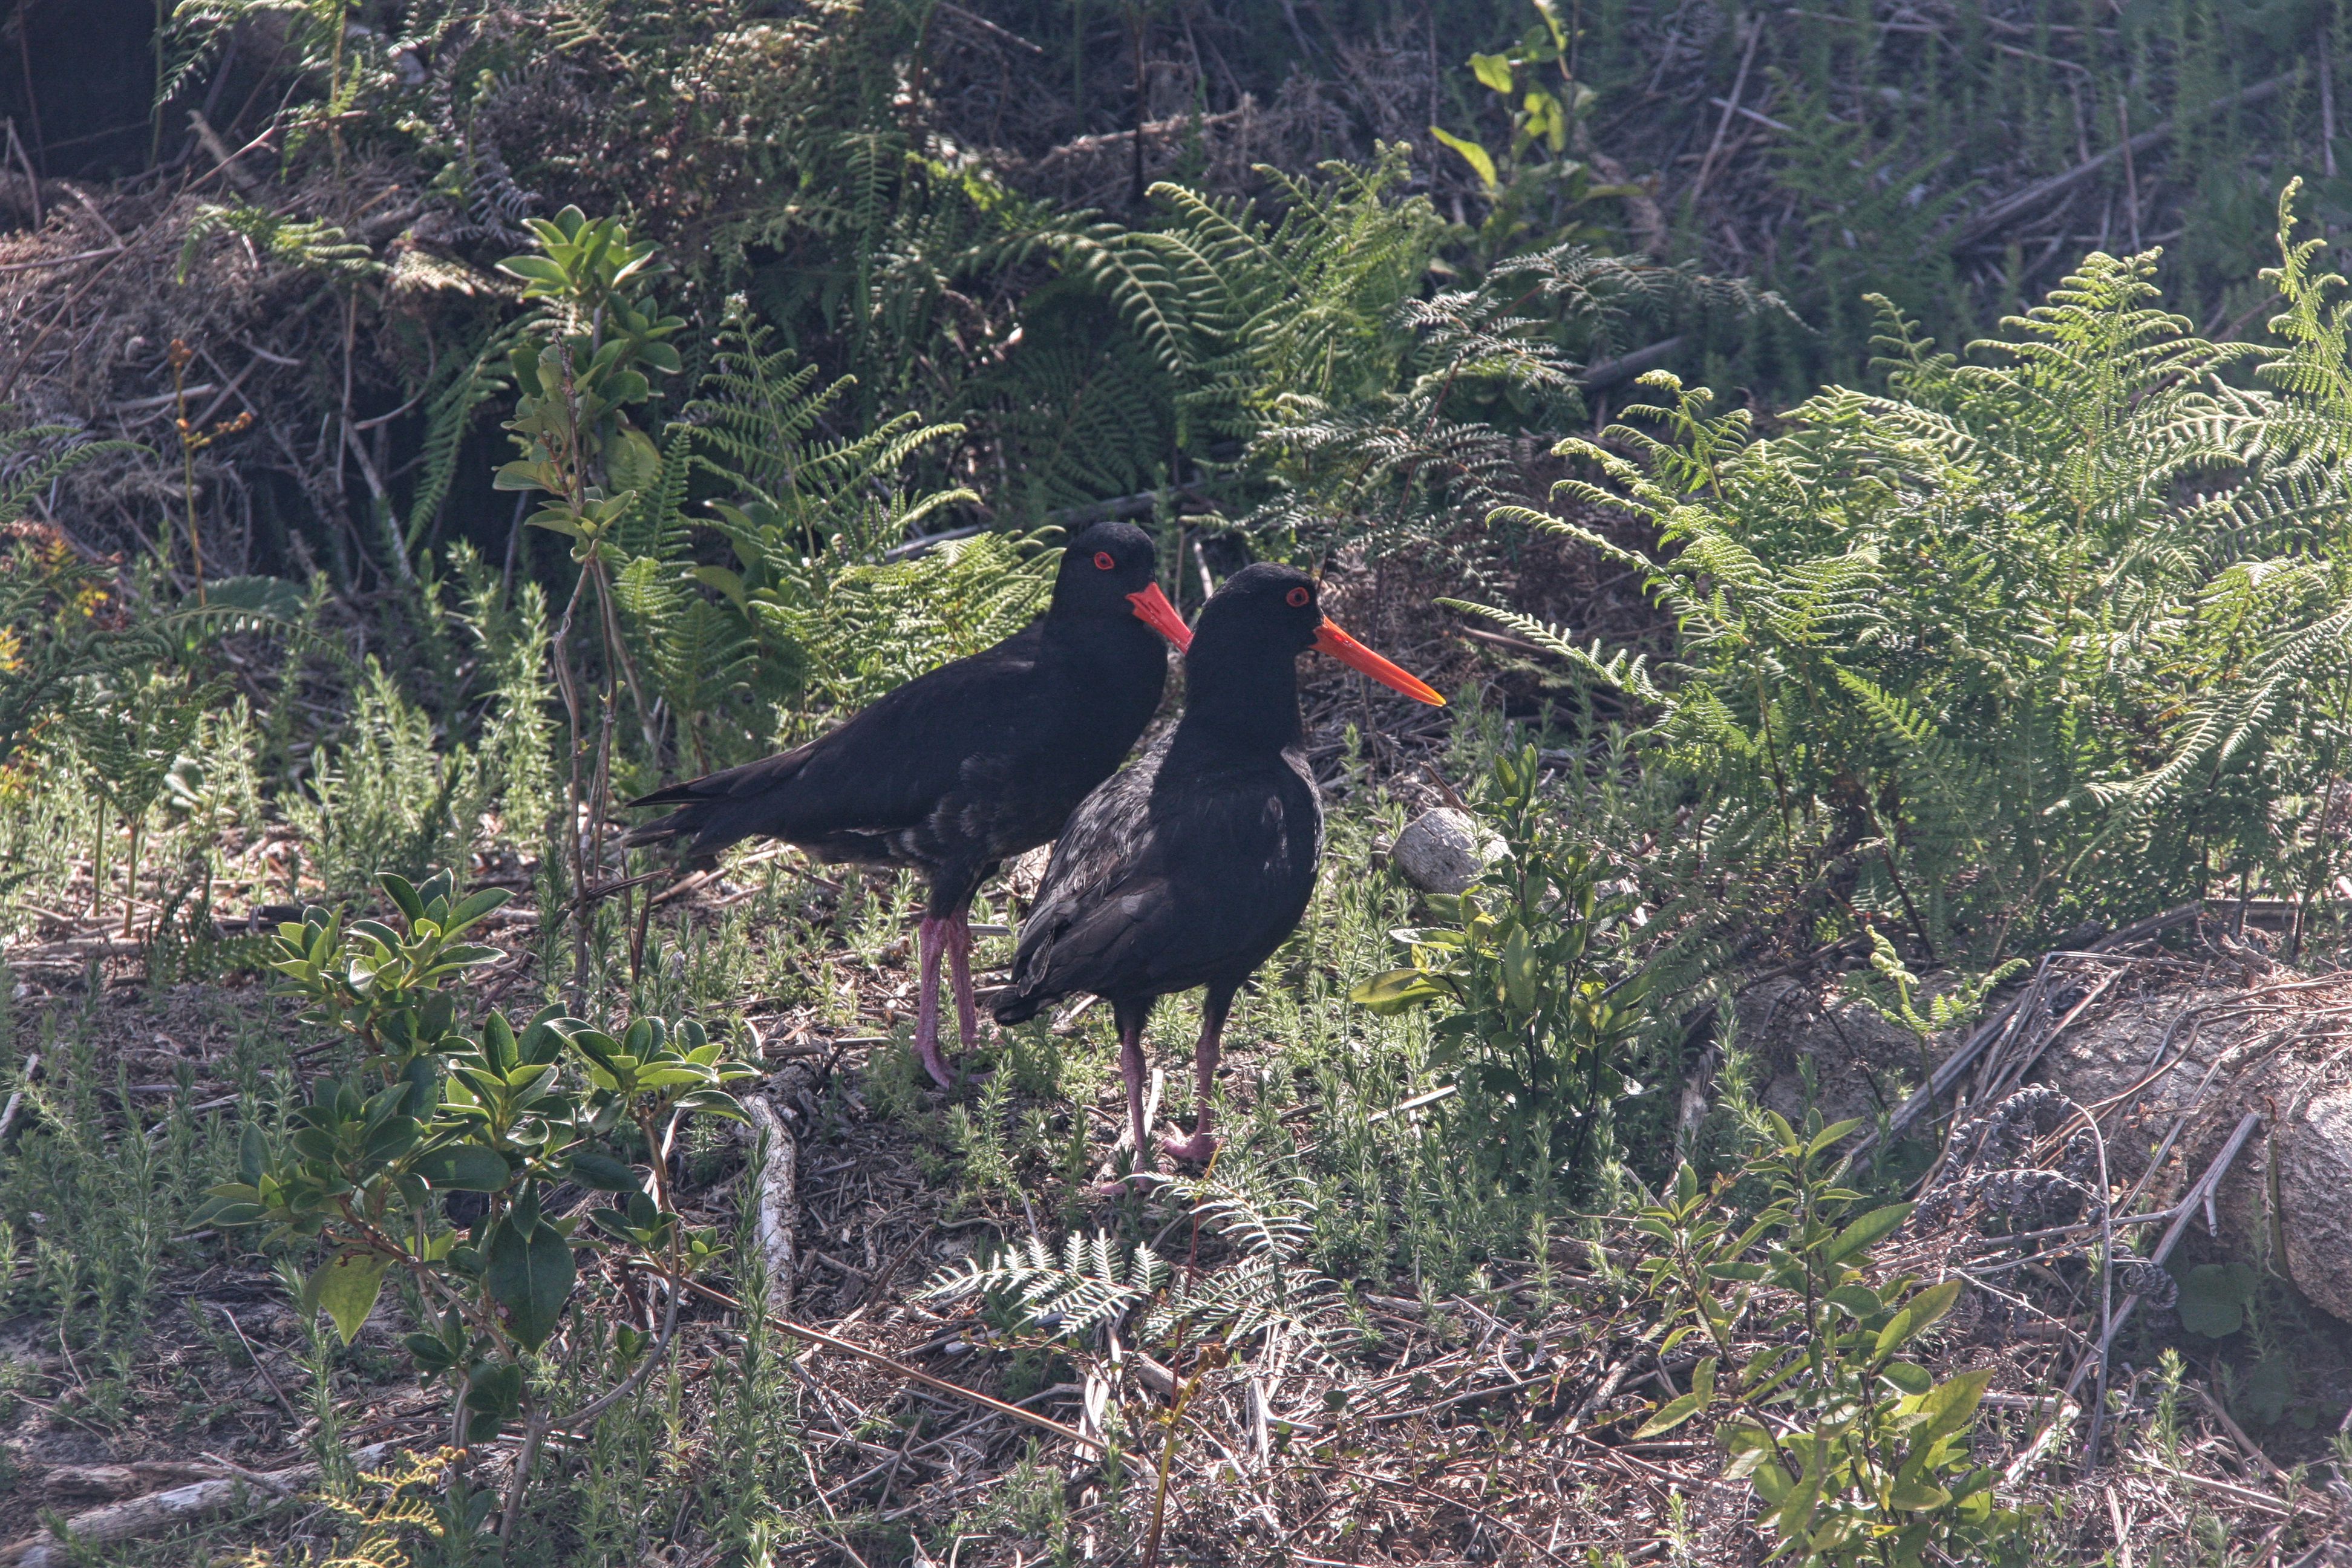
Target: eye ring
[(1103, 561), (1297, 597)]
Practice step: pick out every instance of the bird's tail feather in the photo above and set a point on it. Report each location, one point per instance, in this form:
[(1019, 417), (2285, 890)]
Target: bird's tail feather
[(719, 809), (1022, 1003), (704, 828)]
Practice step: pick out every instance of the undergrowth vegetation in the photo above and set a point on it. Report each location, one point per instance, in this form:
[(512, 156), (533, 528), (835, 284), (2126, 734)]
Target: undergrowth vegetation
[(673, 383)]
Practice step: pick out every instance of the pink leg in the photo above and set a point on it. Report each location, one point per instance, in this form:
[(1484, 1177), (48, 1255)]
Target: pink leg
[(959, 945), (1203, 1145), (930, 936), (1130, 1067)]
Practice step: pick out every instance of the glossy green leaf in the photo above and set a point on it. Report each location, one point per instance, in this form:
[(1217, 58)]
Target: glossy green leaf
[(465, 1168), (1395, 989), (1949, 1407), (345, 1288), (1872, 1227), (1494, 71), (403, 894), (1916, 1495), (2213, 1298), (1857, 1302), (1918, 1313), (1680, 1409), (1481, 161), (1908, 1376), (529, 1274), (601, 1173)]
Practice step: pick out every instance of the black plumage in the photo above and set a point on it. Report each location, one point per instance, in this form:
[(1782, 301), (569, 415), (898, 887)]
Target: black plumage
[(964, 767), (1190, 867)]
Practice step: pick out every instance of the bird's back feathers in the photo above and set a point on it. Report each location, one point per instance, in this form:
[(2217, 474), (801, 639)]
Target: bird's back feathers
[(1182, 870)]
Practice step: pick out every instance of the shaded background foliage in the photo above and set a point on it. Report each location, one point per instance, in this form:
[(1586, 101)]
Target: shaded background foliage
[(895, 188)]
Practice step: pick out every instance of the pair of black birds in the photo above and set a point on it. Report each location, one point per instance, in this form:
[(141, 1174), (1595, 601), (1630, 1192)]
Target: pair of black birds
[(1187, 869)]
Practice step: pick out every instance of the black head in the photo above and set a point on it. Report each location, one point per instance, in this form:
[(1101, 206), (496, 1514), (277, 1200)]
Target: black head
[(1107, 575), (1241, 674), (1265, 608)]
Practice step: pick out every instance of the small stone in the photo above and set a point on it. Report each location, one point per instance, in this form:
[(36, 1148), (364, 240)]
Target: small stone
[(1443, 851)]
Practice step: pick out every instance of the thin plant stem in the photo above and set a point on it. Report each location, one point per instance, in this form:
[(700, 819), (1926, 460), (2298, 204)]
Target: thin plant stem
[(130, 879), (98, 861), (567, 688), (189, 442)]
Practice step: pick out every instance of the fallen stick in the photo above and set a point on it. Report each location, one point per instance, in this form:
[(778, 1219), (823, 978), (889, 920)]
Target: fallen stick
[(2182, 1212), (160, 1511), (777, 1186), (1608, 372), (911, 1373), (17, 1097), (113, 1483), (1738, 86), (2246, 1495), (1957, 1065)]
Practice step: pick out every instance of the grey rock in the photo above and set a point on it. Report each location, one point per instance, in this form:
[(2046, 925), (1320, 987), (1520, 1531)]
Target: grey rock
[(2315, 1201), (1443, 851)]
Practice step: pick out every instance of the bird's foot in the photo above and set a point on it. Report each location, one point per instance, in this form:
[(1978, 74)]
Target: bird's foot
[(1194, 1150), (1121, 1186), (935, 1064)]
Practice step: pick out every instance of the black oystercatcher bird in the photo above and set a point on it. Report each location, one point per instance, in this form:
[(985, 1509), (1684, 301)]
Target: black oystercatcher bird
[(1190, 867), (967, 766)]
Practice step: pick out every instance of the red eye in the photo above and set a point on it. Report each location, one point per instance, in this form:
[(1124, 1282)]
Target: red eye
[(1298, 598), (1103, 562)]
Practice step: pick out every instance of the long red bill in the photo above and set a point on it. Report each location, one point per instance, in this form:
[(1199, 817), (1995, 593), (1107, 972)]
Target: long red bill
[(1330, 639), (1152, 608)]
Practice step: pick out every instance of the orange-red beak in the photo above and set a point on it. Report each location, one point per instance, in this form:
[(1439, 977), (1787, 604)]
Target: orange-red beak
[(1152, 608), (1330, 639)]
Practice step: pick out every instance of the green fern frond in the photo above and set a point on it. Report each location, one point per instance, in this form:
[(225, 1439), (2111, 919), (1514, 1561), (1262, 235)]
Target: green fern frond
[(36, 456), (310, 244), (1624, 671), (449, 414), (1095, 1280)]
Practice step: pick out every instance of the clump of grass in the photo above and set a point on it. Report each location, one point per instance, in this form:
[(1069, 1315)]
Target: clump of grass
[(975, 1134)]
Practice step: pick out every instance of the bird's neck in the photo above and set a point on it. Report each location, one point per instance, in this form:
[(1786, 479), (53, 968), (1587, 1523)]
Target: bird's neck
[(1093, 648), (1242, 705), (1084, 635)]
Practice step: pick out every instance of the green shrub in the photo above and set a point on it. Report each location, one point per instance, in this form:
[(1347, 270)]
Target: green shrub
[(1538, 1032), (365, 1167), (1859, 1455), (389, 797), (2055, 636)]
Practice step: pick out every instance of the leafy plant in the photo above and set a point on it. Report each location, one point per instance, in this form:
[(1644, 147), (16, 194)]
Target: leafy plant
[(1890, 988), (506, 1113), (1538, 1029), (1368, 410), (1532, 187), (312, 244), (1859, 1455), (51, 634), (389, 796), (2213, 1298), (814, 616), (580, 366), (128, 731)]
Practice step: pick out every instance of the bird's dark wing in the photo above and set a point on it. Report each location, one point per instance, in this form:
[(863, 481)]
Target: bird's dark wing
[(883, 772), (1153, 890)]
